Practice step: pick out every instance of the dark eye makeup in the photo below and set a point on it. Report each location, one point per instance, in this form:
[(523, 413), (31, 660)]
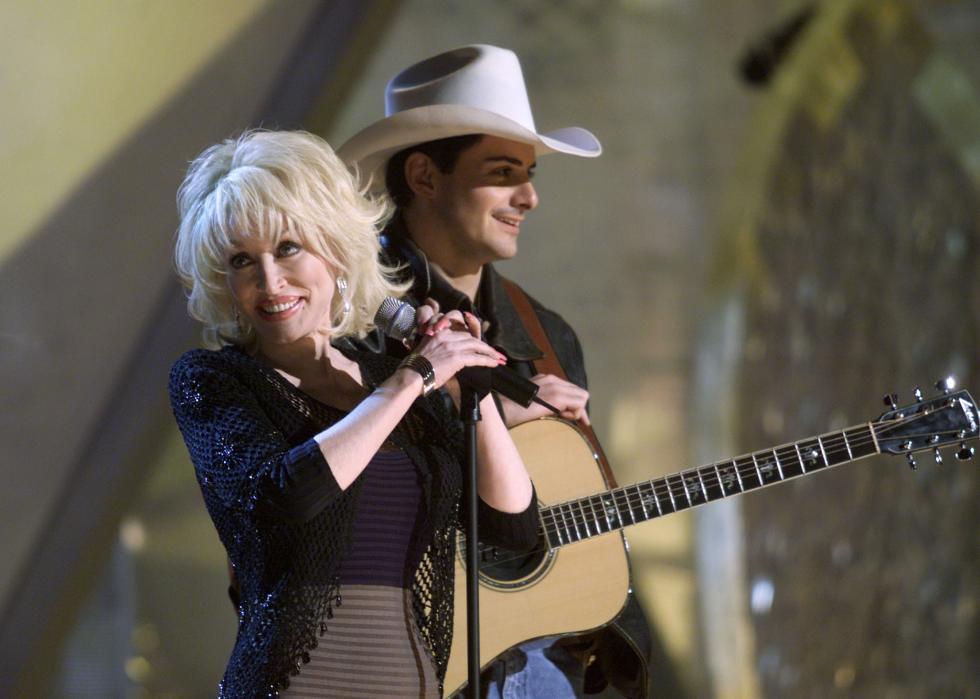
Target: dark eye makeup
[(239, 260), (285, 248)]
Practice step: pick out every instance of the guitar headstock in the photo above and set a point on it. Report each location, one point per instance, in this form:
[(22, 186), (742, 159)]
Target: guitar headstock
[(931, 423)]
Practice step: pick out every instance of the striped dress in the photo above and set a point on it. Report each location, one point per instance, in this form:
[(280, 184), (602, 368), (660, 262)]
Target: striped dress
[(372, 647)]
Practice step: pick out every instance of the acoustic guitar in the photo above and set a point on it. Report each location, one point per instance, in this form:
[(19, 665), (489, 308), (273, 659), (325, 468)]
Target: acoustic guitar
[(577, 578)]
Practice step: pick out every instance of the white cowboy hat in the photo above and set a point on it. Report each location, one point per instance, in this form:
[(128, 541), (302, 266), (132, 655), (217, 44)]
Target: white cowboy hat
[(476, 89)]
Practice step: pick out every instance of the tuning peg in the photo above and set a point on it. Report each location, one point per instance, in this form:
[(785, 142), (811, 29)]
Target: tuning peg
[(917, 393), (891, 400), (939, 457), (965, 453), (911, 459), (946, 385)]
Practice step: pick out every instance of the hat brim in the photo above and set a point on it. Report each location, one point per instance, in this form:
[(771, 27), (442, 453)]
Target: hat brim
[(370, 149)]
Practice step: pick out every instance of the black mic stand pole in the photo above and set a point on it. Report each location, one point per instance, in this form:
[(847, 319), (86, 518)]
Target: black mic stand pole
[(474, 384), (469, 412)]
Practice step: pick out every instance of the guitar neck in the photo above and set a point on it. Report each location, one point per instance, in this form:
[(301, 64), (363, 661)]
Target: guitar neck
[(576, 520)]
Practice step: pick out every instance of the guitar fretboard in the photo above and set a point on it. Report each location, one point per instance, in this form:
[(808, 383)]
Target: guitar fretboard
[(575, 520)]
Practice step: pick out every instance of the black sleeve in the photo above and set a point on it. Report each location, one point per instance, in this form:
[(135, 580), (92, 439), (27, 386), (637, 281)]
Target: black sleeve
[(516, 531), (241, 459)]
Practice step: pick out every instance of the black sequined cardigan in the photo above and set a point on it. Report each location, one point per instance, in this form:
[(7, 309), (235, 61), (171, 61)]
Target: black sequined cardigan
[(286, 523)]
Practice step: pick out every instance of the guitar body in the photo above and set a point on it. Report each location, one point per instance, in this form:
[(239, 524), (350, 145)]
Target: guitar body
[(561, 591)]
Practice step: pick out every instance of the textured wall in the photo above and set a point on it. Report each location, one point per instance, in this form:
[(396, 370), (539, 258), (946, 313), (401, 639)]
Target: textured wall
[(863, 581)]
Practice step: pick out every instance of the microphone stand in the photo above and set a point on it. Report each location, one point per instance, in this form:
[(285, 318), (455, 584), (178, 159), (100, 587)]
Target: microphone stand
[(474, 384), (469, 412)]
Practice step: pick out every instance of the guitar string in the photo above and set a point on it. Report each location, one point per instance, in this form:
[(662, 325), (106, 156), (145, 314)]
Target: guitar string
[(878, 430), (622, 496), (690, 485)]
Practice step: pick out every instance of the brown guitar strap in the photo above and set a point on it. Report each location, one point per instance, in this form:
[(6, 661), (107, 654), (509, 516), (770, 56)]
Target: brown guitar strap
[(549, 363)]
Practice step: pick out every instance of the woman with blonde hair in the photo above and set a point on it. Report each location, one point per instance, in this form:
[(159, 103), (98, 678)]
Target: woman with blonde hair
[(332, 476)]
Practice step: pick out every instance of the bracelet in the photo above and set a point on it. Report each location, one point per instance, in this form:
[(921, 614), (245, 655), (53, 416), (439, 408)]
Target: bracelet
[(418, 363)]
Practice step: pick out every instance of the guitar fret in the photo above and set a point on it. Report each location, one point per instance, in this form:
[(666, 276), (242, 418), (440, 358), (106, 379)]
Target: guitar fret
[(564, 519), (721, 481), (603, 515), (738, 475), (822, 452), (630, 505), (643, 504), (799, 456), (589, 521), (583, 518), (580, 519), (605, 509), (656, 498), (588, 515), (557, 528), (619, 513), (703, 489), (596, 516), (561, 524), (687, 493), (847, 446), (779, 466), (670, 492), (629, 508), (576, 522), (571, 513), (585, 507), (762, 481)]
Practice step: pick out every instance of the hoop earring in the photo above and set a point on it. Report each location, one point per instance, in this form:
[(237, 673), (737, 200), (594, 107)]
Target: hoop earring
[(342, 290)]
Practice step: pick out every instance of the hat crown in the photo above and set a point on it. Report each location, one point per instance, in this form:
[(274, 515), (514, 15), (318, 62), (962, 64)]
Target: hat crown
[(479, 76)]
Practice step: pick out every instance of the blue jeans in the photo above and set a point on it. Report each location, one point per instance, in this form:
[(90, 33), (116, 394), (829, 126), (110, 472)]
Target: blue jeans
[(535, 670)]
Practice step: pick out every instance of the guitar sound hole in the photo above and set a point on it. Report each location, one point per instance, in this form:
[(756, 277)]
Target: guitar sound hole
[(502, 568)]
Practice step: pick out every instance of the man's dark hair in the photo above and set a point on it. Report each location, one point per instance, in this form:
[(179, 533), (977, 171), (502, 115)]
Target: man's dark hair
[(444, 152)]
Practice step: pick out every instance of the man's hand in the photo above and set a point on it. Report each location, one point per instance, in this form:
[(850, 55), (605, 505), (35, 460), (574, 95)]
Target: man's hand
[(564, 395)]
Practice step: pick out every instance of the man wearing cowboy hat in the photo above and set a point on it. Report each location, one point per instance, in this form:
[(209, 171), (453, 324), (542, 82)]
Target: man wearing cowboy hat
[(456, 153)]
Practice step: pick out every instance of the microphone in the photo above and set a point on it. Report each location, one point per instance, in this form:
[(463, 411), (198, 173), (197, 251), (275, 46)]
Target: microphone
[(396, 319)]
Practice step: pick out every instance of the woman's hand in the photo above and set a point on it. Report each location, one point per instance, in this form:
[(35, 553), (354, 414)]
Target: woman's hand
[(450, 341), (430, 320)]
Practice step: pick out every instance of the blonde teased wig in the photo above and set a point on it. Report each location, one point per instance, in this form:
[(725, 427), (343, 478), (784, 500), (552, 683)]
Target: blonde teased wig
[(270, 184)]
